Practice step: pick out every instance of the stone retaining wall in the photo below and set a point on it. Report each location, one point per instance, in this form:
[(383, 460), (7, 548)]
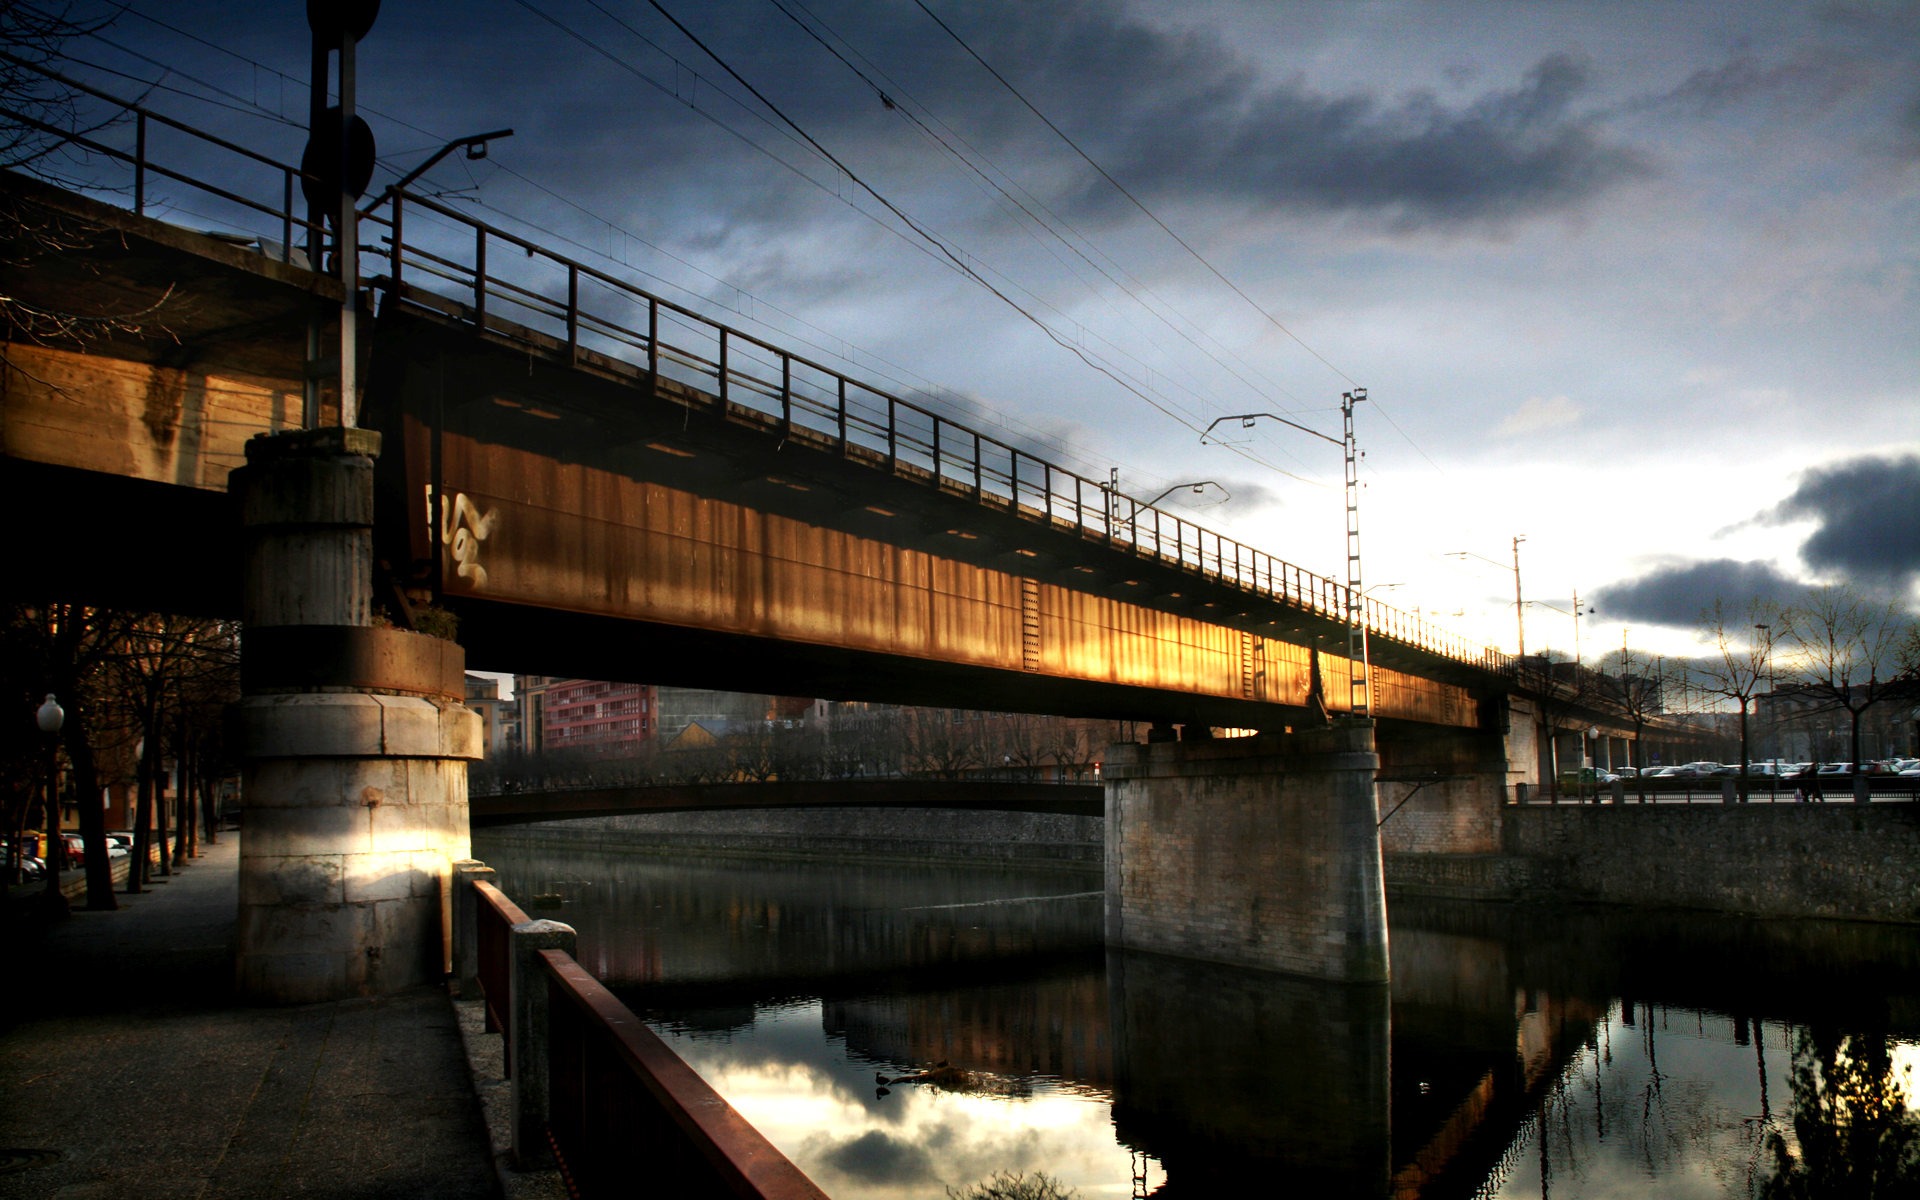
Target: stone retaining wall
[(1845, 861), (870, 834)]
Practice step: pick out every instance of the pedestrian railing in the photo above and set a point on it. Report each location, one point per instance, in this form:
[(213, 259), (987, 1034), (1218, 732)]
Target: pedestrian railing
[(594, 1091), (496, 917)]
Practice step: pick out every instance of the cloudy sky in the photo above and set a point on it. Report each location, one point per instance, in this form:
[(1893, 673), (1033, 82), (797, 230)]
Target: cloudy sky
[(1640, 283)]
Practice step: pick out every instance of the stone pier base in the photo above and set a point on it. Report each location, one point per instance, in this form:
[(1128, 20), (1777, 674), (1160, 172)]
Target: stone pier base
[(1258, 852), (354, 738)]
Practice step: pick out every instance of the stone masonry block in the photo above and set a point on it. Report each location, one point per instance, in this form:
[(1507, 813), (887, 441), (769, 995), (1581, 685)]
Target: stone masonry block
[(379, 876), (410, 726), (291, 880), (352, 783), (302, 929), (335, 724), (462, 734), (279, 832)]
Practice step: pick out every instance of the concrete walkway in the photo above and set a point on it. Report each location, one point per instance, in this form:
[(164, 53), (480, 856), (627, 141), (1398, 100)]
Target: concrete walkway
[(129, 1068)]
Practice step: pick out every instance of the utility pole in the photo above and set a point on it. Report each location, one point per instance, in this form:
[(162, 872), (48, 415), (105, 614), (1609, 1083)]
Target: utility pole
[(1358, 652), (335, 170), (1519, 605), (1359, 699)]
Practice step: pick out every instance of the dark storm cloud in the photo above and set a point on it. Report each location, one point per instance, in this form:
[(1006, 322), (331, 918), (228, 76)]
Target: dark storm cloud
[(1678, 595), (877, 1157), (1186, 114), (1714, 89), (1868, 516), (1168, 114)]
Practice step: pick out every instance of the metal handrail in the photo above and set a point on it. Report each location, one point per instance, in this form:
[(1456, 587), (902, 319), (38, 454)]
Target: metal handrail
[(622, 1103), (911, 441), (494, 918)]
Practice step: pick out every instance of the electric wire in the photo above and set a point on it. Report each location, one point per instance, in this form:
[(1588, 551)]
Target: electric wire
[(944, 252), (925, 390), (1152, 216), (959, 261), (1050, 222)]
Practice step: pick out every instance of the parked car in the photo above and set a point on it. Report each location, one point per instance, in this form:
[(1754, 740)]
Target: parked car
[(1840, 768), (31, 868), (1586, 777), (1685, 771)]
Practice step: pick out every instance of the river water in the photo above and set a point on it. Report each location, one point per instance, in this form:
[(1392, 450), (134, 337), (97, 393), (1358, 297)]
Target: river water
[(1518, 1053)]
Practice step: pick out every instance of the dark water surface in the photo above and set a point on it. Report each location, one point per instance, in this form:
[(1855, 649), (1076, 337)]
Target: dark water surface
[(1519, 1052)]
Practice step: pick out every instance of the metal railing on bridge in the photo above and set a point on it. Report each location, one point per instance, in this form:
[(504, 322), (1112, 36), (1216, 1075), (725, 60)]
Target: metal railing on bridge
[(504, 282)]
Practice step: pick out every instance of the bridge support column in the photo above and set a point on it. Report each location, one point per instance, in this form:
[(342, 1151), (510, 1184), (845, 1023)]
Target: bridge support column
[(1259, 852), (355, 742)]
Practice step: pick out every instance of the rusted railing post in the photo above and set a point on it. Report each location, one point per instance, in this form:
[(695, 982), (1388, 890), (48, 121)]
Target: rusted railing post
[(466, 933), (527, 1043)]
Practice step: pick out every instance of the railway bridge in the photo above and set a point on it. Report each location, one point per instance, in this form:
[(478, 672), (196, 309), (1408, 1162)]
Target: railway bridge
[(598, 482)]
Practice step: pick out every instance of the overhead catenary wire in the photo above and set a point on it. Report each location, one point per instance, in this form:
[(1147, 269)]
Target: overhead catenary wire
[(926, 390), (897, 100), (1154, 217), (966, 264)]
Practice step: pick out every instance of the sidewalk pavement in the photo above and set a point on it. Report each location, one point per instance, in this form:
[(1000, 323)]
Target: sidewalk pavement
[(128, 1067)]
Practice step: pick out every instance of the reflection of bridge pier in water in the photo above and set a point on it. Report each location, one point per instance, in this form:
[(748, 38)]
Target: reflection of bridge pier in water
[(1232, 1078)]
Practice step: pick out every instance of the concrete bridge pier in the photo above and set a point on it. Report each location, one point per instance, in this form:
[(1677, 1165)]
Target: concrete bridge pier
[(354, 738), (1258, 852)]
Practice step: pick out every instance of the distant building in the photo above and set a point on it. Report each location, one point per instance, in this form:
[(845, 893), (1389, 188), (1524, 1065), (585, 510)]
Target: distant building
[(593, 715), (497, 716), (717, 711)]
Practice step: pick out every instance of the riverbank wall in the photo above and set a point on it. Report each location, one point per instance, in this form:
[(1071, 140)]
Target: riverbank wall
[(1840, 861), (1848, 861), (1043, 840)]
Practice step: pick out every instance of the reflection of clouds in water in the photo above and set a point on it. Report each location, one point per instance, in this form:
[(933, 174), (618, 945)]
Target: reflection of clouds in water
[(823, 1113), (876, 1157)]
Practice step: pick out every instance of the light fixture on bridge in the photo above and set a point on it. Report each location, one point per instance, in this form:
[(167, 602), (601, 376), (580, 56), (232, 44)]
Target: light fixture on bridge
[(1196, 488), (1519, 605), (1360, 683)]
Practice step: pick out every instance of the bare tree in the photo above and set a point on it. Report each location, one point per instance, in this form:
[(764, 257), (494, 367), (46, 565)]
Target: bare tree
[(1560, 688), (1849, 652), (1021, 742), (46, 113), (1737, 667), (1639, 690), (942, 742)]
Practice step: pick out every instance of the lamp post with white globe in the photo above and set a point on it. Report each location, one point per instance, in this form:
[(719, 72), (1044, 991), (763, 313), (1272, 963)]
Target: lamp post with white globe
[(50, 717)]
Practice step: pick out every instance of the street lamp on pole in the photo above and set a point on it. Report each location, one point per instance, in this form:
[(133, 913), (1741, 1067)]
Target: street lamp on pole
[(1360, 684), (1578, 611), (1197, 488), (1519, 604), (50, 717)]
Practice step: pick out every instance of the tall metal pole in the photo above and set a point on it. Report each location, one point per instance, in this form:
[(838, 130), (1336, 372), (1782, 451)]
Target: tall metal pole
[(347, 247), (1519, 605), (1359, 697)]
